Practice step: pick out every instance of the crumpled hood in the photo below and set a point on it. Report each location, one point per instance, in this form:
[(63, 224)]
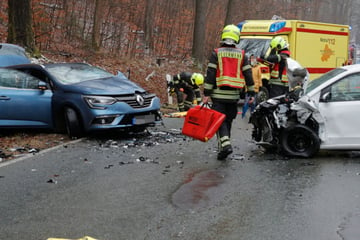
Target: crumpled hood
[(109, 86)]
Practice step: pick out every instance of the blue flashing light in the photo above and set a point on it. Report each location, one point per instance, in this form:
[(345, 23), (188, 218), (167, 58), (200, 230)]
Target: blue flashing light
[(277, 26), (240, 25)]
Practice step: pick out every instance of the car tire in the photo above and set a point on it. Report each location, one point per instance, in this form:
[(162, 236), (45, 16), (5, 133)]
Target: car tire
[(262, 95), (300, 141), (72, 121)]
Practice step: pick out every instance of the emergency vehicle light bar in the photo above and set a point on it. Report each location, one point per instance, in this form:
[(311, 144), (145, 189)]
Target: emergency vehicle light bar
[(240, 25), (277, 26)]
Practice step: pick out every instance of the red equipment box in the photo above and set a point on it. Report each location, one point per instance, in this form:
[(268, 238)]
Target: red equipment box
[(202, 123)]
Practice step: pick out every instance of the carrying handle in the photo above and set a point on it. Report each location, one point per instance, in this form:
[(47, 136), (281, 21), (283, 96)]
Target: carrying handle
[(205, 104)]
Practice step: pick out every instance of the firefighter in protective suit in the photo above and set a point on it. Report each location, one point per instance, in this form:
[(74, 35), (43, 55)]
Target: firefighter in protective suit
[(228, 72), (278, 82), (186, 83)]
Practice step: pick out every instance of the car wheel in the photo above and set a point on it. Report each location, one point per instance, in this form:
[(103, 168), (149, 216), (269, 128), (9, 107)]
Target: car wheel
[(300, 140), (73, 126), (262, 95)]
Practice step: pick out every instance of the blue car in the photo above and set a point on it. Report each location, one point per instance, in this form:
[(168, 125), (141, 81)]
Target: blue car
[(11, 54), (74, 97)]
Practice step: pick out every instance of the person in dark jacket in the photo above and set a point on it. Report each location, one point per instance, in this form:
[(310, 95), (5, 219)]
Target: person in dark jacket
[(228, 72), (187, 83)]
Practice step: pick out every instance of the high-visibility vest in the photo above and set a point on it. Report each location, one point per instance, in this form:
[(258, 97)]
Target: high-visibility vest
[(229, 69), (275, 72)]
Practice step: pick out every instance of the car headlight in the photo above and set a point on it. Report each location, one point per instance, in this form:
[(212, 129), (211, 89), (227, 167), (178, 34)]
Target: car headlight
[(99, 102)]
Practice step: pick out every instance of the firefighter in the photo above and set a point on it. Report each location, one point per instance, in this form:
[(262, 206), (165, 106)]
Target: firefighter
[(187, 83), (228, 72), (278, 82)]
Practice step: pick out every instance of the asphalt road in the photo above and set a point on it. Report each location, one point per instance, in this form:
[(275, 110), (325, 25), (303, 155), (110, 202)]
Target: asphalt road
[(165, 186)]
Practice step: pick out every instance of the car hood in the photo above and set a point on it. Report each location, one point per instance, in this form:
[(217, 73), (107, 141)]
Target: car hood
[(114, 85)]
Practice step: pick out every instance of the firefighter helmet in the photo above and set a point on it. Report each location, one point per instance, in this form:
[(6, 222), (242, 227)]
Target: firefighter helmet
[(230, 33), (278, 43), (197, 78)]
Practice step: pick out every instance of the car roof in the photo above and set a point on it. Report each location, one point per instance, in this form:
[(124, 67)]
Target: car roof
[(11, 54), (9, 60), (12, 49)]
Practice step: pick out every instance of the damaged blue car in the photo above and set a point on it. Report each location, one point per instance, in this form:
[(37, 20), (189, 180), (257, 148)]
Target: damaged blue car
[(76, 98)]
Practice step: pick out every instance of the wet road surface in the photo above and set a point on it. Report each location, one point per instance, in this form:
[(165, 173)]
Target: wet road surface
[(166, 186)]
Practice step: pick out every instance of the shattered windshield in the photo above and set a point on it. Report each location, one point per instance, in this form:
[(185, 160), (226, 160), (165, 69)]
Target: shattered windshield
[(75, 73), (318, 81), (254, 46)]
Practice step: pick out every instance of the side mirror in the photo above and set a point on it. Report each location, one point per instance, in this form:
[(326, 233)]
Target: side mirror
[(326, 97), (42, 85)]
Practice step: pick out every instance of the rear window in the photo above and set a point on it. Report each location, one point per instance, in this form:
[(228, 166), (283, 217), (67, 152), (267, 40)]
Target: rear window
[(254, 46)]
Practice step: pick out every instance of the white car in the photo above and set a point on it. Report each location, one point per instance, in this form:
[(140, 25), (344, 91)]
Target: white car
[(324, 116)]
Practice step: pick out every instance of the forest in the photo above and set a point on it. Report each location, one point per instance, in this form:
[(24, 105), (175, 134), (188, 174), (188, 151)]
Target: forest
[(148, 38)]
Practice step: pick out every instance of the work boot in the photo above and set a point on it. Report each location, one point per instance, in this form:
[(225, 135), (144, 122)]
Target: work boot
[(224, 153)]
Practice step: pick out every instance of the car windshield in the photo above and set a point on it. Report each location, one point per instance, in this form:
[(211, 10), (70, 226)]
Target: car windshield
[(254, 46), (75, 73), (318, 81)]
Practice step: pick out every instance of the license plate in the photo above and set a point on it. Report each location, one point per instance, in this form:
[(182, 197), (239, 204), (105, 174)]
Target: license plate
[(143, 119)]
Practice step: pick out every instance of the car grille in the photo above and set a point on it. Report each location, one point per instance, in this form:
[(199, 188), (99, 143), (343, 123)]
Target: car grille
[(134, 102)]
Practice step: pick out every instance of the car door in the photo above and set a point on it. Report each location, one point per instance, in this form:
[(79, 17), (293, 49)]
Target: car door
[(22, 103), (340, 108)]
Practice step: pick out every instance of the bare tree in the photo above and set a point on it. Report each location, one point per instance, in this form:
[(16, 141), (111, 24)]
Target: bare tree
[(198, 49), (148, 26), (96, 31), (20, 24)]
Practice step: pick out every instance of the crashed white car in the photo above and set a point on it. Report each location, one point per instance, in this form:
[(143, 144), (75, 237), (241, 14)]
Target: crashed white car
[(324, 114)]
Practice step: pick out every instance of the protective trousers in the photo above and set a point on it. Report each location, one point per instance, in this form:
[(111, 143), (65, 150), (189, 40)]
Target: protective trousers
[(230, 110)]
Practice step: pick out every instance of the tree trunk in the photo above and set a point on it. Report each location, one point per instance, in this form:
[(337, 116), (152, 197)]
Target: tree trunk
[(20, 30), (198, 47), (148, 25), (96, 33)]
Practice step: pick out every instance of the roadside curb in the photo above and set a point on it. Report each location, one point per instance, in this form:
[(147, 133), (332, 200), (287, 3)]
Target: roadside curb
[(29, 155)]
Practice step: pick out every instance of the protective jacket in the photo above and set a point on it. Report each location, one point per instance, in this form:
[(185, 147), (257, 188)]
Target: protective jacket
[(182, 83), (278, 74), (228, 72)]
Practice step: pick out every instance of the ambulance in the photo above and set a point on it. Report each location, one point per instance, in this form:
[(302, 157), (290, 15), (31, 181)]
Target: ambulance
[(319, 47)]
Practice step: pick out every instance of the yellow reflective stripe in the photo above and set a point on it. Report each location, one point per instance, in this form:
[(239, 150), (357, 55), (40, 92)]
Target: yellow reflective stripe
[(226, 94), (230, 53), (224, 138), (224, 141), (238, 67), (246, 67), (274, 74), (208, 86), (230, 81), (220, 67), (212, 65), (251, 88)]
